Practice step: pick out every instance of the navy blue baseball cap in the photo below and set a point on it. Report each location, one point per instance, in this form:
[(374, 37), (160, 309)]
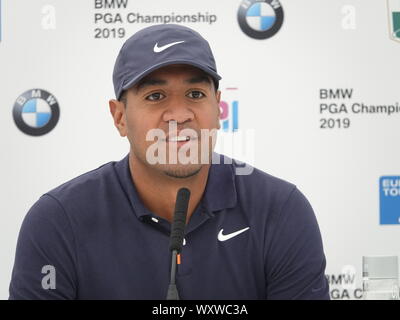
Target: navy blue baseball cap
[(157, 46)]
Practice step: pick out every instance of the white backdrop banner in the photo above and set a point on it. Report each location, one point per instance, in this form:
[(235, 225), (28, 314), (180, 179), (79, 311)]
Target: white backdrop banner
[(310, 93)]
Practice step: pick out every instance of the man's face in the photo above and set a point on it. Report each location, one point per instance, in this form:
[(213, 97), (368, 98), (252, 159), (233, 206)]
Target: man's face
[(177, 95)]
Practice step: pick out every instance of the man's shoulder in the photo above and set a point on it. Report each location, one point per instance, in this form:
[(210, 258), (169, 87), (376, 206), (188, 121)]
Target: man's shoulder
[(261, 192), (77, 203), (90, 182), (79, 198), (257, 181)]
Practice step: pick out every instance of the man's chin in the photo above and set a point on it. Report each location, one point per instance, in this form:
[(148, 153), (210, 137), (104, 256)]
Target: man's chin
[(182, 171)]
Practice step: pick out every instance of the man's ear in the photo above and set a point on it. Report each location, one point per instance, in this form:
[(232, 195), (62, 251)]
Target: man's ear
[(218, 98), (117, 109)]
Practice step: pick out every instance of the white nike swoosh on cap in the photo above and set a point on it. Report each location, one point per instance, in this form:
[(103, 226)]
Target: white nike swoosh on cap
[(162, 48), (224, 237)]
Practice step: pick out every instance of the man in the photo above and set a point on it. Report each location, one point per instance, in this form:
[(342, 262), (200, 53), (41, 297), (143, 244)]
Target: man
[(105, 234)]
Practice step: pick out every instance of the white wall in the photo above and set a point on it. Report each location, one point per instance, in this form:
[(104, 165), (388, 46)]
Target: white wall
[(278, 81)]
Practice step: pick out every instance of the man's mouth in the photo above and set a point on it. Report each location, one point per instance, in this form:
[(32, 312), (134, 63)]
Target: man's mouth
[(179, 139)]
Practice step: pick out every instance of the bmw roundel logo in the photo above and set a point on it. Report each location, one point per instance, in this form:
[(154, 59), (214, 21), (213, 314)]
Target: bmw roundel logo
[(36, 112), (260, 19)]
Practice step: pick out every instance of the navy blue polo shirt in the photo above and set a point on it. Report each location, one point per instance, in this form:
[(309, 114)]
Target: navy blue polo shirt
[(250, 237)]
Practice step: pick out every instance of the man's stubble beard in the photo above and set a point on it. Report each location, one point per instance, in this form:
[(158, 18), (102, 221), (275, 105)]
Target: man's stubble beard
[(177, 170), (182, 173)]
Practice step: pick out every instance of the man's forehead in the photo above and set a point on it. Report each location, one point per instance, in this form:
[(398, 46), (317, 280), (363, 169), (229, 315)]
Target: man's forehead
[(162, 76), (174, 69)]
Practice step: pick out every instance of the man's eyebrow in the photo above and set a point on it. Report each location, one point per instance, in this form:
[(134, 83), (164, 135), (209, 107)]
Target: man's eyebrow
[(156, 82), (199, 79), (149, 82)]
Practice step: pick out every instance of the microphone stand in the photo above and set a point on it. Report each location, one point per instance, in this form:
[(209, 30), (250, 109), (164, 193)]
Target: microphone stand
[(172, 289), (176, 238)]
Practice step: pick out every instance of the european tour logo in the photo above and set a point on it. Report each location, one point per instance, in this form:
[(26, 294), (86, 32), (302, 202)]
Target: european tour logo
[(389, 191)]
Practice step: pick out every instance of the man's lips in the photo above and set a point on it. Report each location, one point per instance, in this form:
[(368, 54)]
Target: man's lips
[(180, 137), (180, 140)]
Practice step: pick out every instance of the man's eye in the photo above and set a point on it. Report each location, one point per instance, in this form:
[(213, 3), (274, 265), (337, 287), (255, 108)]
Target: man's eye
[(155, 96), (195, 94)]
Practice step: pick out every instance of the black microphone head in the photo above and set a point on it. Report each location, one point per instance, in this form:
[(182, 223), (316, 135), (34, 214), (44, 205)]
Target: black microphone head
[(179, 221)]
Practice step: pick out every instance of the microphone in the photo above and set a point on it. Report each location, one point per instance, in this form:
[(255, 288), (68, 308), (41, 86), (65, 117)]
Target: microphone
[(176, 237)]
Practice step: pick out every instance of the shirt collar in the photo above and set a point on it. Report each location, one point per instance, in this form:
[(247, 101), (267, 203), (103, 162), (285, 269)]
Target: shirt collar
[(219, 194)]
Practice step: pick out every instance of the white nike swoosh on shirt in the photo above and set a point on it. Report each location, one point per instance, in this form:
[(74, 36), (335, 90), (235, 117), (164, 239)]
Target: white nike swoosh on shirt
[(162, 48), (224, 237)]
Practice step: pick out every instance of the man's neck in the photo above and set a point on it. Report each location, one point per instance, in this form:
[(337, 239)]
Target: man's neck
[(158, 191)]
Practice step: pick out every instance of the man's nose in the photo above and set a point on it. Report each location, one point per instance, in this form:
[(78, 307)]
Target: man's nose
[(178, 111)]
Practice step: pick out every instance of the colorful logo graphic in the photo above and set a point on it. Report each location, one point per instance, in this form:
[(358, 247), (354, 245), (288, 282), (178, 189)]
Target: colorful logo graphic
[(260, 19), (229, 111), (394, 19), (389, 191), (36, 112)]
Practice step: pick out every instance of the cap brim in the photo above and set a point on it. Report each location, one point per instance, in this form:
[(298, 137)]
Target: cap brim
[(138, 77)]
